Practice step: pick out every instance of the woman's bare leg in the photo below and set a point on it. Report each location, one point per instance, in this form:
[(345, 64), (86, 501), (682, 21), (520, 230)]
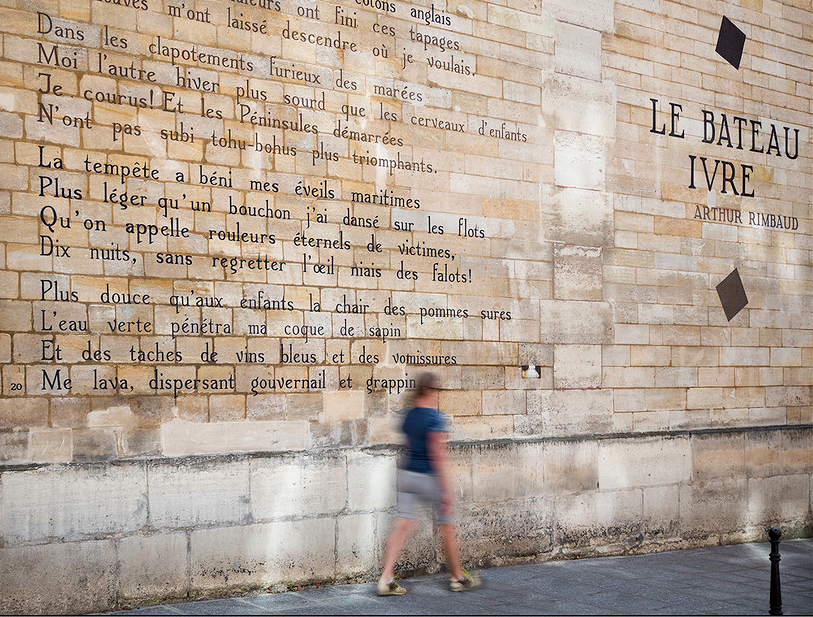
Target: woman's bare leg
[(401, 530), (449, 532)]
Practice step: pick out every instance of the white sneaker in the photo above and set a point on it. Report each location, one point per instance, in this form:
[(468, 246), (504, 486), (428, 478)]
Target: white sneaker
[(390, 588), (467, 583)]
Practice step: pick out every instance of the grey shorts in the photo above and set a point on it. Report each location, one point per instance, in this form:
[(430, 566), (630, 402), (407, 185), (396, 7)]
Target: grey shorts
[(414, 488)]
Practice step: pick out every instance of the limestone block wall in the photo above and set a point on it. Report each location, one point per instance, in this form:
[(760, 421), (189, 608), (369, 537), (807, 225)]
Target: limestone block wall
[(140, 531), (232, 234)]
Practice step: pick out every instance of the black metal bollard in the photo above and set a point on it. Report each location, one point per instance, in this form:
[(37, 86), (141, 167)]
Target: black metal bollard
[(776, 589)]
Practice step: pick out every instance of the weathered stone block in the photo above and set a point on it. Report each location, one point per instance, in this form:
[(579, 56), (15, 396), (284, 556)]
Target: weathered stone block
[(506, 473), (541, 24), (762, 451), (482, 427), (384, 430), (459, 403), (503, 402), (15, 316), (780, 499), (94, 445), (481, 378), (499, 532), (745, 356), (265, 407), (343, 405), (577, 273), (578, 216), (718, 456), (263, 555), (85, 571), (578, 51), (18, 412), (152, 568), (15, 447), (68, 412), (576, 366), (662, 511), (704, 398), (370, 482), (198, 493), (51, 445), (300, 486), (570, 467), (598, 517), (714, 507), (579, 161), (580, 105), (72, 503), (595, 14), (567, 412), (142, 442), (665, 398), (644, 462), (575, 322), (786, 395), (358, 545), (181, 437), (796, 453), (227, 407)]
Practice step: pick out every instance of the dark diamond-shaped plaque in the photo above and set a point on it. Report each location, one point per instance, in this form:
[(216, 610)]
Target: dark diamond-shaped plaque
[(732, 294), (730, 42)]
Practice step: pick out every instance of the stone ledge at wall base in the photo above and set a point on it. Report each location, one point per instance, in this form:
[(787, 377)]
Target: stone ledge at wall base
[(90, 537)]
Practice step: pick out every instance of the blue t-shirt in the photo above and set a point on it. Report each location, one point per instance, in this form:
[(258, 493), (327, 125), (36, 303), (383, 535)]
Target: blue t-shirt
[(418, 422)]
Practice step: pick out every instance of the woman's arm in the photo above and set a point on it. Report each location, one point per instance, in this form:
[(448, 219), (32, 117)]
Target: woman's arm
[(439, 459)]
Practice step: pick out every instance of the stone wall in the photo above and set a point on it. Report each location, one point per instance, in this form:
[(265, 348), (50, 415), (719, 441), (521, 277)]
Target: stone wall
[(98, 536), (231, 234)]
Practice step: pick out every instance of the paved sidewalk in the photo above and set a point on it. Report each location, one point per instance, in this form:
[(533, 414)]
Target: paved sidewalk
[(725, 580)]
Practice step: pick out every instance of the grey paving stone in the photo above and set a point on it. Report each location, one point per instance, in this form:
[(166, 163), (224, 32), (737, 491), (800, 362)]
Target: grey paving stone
[(390, 608), (728, 579), (342, 590), (793, 576), (622, 601), (280, 601), (572, 607), (312, 609), (164, 609), (715, 580), (362, 604), (226, 606)]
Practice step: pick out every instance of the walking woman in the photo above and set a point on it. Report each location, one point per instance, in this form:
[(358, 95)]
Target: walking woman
[(424, 477)]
